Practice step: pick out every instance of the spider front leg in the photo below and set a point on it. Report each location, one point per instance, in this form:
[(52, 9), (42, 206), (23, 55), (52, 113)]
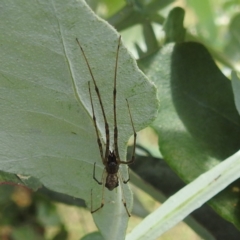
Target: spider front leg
[(134, 147), (95, 125), (114, 103), (134, 141), (103, 112)]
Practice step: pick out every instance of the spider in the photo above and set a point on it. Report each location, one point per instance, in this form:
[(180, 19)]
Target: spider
[(110, 158)]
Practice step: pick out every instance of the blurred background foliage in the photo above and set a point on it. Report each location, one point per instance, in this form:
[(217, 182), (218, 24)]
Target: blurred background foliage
[(213, 23), (145, 26)]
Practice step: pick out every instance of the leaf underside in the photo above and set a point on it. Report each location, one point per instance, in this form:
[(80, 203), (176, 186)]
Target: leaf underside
[(46, 117)]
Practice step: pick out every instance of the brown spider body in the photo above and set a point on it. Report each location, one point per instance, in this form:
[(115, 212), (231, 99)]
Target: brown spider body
[(112, 168), (110, 158)]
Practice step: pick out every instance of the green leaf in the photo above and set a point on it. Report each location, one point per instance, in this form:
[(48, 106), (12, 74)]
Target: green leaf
[(93, 236), (174, 29), (138, 12), (236, 90), (46, 117), (25, 232), (233, 41), (198, 125), (150, 38), (13, 179), (188, 199)]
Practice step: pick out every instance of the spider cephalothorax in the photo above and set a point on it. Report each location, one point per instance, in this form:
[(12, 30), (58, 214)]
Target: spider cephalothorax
[(110, 159)]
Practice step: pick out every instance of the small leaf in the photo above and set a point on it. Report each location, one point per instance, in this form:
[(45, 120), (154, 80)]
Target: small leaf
[(232, 46), (174, 29), (13, 179)]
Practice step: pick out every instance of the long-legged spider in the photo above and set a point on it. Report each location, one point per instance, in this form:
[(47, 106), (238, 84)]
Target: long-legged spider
[(110, 159)]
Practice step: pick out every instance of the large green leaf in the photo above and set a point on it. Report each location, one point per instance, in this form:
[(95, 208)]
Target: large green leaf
[(236, 90), (198, 124), (46, 128)]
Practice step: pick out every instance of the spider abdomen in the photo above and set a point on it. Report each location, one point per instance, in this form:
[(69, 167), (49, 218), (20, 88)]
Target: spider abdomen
[(111, 181)]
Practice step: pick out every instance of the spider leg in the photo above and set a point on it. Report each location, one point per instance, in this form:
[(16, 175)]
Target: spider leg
[(94, 177), (126, 181), (100, 183), (123, 197), (134, 141), (95, 126), (102, 202), (114, 104), (101, 104)]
